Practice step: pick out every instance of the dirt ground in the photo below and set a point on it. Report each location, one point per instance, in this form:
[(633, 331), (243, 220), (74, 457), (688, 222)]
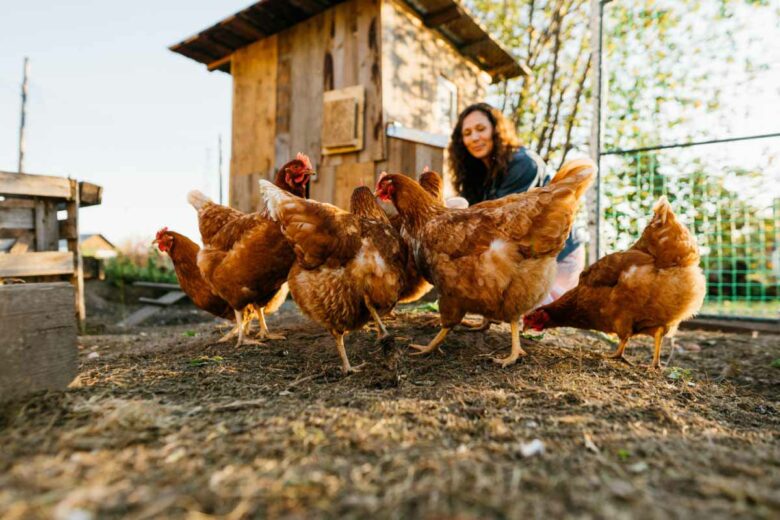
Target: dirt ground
[(163, 422)]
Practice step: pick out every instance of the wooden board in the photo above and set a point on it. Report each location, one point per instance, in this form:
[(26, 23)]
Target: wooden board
[(90, 194), (254, 121), (23, 184), (17, 218), (342, 120), (349, 177), (36, 264), (413, 57), (38, 344)]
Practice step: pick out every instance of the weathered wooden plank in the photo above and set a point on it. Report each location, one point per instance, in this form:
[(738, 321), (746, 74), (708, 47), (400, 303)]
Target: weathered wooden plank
[(23, 244), (349, 177), (157, 285), (413, 58), (165, 300), (73, 246), (90, 194), (36, 264), (17, 203), (370, 75), (17, 218), (34, 185), (139, 316), (254, 120), (38, 345), (46, 225), (68, 229)]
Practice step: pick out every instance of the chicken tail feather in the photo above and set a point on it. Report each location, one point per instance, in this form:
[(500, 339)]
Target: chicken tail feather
[(273, 197), (197, 199), (661, 209), (579, 174)]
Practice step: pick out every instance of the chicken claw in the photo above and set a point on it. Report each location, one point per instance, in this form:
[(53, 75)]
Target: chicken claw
[(346, 368), (618, 353), (264, 334), (433, 345), (517, 349)]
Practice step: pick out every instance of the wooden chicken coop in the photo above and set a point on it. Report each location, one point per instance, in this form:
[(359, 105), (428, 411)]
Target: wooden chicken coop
[(31, 230), (360, 86)]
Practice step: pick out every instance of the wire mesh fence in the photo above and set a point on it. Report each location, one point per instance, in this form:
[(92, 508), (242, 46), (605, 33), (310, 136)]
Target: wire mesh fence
[(727, 192)]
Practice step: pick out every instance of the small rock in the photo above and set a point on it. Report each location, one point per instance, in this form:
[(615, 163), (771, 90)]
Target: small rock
[(529, 449), (531, 424), (285, 392), (93, 355), (638, 467)]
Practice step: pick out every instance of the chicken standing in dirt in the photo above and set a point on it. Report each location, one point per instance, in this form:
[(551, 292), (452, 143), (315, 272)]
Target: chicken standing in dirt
[(417, 286), (349, 266), (648, 289), (245, 258), (496, 259), (184, 255)]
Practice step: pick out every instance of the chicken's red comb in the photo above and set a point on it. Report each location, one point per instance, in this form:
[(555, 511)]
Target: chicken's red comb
[(305, 160), (162, 232)]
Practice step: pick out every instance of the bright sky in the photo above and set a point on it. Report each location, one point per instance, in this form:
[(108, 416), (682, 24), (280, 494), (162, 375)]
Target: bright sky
[(109, 103)]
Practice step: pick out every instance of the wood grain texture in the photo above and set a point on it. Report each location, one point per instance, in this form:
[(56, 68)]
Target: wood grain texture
[(413, 57), (34, 185), (254, 70), (38, 344), (36, 264)]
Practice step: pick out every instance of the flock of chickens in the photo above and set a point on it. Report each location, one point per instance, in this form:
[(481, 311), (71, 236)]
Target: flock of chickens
[(496, 259)]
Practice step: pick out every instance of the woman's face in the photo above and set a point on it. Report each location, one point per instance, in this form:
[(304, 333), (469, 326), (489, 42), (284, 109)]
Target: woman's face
[(477, 132)]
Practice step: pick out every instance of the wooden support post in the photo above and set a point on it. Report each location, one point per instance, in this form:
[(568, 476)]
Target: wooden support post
[(73, 245)]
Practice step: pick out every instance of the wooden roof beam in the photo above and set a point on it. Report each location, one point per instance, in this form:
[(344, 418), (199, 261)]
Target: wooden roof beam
[(442, 16), (218, 64), (471, 48), (240, 26)]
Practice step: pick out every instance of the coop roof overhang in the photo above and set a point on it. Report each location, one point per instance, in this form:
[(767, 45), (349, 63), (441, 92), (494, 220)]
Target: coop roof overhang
[(213, 46)]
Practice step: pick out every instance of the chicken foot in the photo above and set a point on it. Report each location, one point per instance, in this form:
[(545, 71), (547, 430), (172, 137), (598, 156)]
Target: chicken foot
[(264, 334), (433, 345), (517, 348), (381, 330), (243, 324), (346, 368), (618, 354), (242, 339)]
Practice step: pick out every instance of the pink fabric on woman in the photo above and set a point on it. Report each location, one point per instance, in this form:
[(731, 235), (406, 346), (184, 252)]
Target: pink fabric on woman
[(568, 275)]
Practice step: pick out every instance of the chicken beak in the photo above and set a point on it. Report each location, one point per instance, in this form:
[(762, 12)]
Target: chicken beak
[(312, 175)]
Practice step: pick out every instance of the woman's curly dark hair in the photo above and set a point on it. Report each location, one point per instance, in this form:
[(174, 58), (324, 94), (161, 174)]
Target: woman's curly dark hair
[(470, 176)]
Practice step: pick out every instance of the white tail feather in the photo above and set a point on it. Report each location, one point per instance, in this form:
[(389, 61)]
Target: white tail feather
[(272, 196), (197, 199)]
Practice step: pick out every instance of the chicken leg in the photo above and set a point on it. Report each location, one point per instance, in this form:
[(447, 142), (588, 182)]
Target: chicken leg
[(659, 338), (345, 366), (381, 330), (618, 354), (433, 345), (241, 327), (517, 348), (264, 334)]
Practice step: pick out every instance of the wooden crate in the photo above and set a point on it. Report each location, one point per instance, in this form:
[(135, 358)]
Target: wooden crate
[(38, 346), (29, 217)]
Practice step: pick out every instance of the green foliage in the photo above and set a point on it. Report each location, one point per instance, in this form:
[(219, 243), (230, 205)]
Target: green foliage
[(206, 360), (775, 363), (623, 454), (679, 374), (128, 269)]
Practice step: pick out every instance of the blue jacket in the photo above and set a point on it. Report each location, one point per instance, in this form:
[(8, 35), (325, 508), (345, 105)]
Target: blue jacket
[(525, 171)]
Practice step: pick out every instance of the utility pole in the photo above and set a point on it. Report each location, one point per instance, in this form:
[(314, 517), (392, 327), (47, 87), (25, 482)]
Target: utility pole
[(20, 167), (219, 167), (596, 130)]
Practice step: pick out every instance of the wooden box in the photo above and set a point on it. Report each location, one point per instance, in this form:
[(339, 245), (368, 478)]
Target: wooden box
[(38, 349)]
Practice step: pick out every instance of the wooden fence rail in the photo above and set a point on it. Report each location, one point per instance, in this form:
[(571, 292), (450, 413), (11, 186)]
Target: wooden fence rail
[(29, 217)]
